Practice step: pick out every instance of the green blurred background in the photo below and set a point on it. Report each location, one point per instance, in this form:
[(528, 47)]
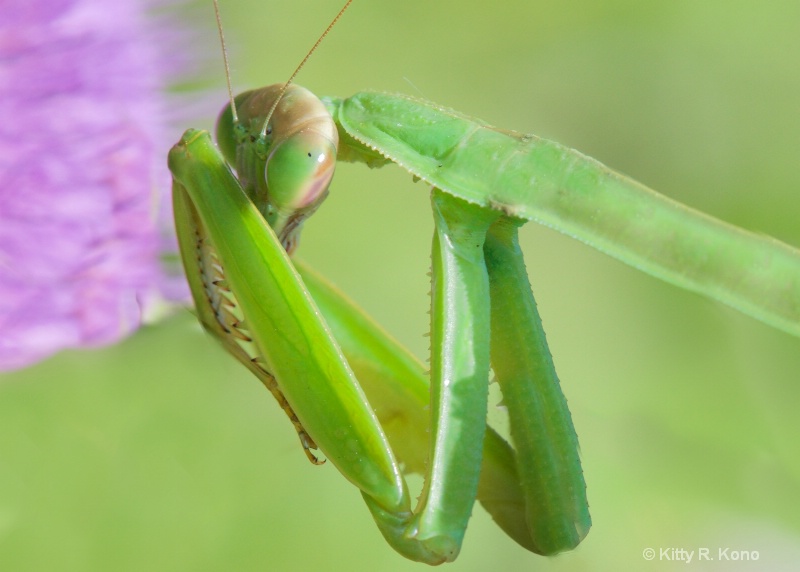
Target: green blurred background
[(163, 454)]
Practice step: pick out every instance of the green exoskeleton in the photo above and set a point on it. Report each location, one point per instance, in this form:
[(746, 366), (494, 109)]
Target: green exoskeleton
[(309, 345), (235, 236)]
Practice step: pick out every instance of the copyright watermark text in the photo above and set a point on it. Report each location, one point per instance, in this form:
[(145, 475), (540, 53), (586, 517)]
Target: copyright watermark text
[(689, 555)]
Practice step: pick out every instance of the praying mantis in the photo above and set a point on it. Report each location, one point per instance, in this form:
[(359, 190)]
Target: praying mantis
[(248, 276)]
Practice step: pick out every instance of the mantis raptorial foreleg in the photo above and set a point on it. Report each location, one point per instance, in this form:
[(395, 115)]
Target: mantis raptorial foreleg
[(212, 199)]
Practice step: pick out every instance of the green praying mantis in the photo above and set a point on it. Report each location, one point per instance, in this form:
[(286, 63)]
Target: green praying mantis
[(309, 345)]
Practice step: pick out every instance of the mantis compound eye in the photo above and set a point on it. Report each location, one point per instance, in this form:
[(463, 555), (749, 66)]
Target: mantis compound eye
[(298, 172)]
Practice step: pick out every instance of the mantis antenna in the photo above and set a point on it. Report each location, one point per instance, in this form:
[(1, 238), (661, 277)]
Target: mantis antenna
[(296, 71), (225, 59)]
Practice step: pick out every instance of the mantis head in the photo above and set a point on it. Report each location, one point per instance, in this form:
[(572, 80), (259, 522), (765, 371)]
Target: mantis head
[(284, 153)]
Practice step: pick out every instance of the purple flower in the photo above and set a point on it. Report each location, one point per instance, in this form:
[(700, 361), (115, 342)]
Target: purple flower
[(82, 173)]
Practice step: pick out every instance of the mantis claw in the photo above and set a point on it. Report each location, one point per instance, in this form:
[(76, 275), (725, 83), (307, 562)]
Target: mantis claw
[(308, 444)]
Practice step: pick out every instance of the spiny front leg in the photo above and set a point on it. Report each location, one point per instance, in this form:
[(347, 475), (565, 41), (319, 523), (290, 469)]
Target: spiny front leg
[(289, 332), (219, 311)]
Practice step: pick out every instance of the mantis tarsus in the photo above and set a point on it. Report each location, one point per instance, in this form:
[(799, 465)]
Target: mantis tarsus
[(486, 183)]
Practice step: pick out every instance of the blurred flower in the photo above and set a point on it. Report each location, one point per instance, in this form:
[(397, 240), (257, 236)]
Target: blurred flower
[(82, 172)]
